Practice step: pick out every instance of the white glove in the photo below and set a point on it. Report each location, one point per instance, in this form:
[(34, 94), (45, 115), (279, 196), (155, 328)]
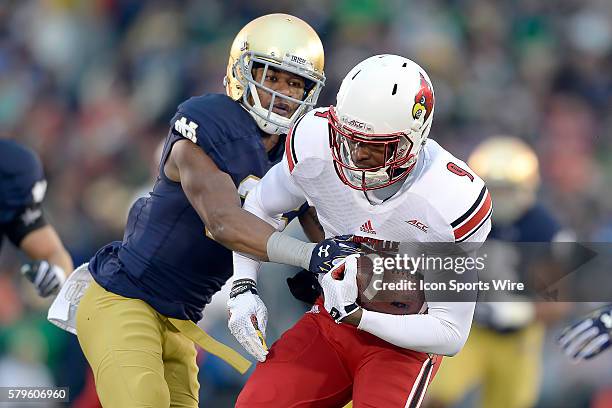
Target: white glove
[(340, 289), (248, 318), (46, 277)]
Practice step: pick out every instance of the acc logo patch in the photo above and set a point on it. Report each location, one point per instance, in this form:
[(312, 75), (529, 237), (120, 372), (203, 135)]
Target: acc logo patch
[(418, 224)]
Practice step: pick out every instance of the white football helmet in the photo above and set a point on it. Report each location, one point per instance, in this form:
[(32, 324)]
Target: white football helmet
[(386, 100)]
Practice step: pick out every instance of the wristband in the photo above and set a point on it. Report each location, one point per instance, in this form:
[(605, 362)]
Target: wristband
[(241, 286)]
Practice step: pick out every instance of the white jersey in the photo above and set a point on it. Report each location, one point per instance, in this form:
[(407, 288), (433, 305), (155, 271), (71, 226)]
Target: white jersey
[(441, 200)]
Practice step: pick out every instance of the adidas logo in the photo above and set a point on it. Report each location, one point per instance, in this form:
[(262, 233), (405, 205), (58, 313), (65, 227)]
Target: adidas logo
[(314, 309), (367, 227)]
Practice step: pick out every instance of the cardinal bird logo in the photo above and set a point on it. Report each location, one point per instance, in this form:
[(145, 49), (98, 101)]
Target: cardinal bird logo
[(423, 101)]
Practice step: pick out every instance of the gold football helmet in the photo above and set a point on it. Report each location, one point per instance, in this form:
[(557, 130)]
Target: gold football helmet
[(511, 170), (282, 42)]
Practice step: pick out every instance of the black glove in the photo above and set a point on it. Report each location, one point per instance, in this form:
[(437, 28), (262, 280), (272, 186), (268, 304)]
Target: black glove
[(304, 286), (331, 251), (588, 337), (46, 277)]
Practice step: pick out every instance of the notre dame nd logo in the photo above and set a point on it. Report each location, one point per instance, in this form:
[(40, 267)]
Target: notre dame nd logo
[(188, 130)]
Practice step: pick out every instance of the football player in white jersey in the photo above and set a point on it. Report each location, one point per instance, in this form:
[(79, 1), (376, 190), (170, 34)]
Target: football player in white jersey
[(367, 167)]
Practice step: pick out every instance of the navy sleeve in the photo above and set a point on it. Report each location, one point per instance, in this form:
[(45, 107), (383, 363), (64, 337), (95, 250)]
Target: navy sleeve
[(22, 189), (225, 131), (29, 220), (195, 121)]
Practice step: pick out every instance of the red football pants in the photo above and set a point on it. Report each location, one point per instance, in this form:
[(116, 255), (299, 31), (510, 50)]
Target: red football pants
[(318, 363)]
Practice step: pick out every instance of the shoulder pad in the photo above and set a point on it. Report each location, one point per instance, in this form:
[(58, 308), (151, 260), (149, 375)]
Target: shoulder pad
[(17, 160), (209, 104), (21, 176), (459, 195), (211, 117), (308, 138)]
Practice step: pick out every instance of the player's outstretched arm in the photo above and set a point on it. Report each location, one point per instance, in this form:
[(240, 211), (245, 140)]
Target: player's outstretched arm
[(213, 195), (54, 262)]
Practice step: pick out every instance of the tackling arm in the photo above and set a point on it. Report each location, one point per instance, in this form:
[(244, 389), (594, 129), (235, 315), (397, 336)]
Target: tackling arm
[(274, 195), (213, 195)]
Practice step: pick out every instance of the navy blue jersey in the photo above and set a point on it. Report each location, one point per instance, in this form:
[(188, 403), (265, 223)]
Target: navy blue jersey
[(22, 189), (165, 257), (536, 225)]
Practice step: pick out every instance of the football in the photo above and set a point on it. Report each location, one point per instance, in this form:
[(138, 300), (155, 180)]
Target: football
[(390, 291)]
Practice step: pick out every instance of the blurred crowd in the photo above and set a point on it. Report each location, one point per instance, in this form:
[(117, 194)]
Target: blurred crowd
[(92, 85)]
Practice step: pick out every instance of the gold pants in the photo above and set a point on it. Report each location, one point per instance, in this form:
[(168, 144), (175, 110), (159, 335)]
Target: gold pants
[(507, 366), (139, 359)]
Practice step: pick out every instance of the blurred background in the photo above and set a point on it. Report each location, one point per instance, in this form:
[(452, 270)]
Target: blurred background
[(91, 86)]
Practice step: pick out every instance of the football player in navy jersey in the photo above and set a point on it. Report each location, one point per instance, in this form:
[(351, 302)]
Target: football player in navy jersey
[(22, 189), (135, 321), (502, 354)]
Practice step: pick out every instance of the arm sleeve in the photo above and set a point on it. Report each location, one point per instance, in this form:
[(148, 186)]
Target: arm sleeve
[(28, 220), (274, 195), (30, 216), (443, 330)]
